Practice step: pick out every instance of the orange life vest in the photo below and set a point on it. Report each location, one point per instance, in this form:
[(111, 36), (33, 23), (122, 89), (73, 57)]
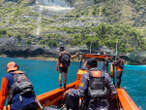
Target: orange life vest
[(111, 70), (97, 85), (118, 68)]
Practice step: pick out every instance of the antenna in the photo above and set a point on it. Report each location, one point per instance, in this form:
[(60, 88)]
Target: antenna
[(91, 46), (116, 49)]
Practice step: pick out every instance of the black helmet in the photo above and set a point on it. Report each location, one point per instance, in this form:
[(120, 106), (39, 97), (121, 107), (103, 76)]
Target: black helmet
[(62, 48), (92, 62)]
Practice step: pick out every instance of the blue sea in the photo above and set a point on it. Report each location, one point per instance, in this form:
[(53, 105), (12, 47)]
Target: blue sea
[(44, 77)]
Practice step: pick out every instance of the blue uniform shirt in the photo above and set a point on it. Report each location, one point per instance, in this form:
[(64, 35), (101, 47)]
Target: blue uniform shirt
[(16, 103), (84, 83)]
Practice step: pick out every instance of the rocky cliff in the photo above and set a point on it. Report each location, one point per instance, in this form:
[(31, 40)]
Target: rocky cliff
[(31, 30)]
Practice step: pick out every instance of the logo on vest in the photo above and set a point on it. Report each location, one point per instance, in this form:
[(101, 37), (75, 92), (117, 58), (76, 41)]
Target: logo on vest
[(96, 73)]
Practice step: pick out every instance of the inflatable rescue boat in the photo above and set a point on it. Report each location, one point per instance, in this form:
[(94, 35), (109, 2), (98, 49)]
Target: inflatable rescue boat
[(55, 97)]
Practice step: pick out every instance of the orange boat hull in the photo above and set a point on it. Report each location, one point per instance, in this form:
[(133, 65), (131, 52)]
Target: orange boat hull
[(53, 97)]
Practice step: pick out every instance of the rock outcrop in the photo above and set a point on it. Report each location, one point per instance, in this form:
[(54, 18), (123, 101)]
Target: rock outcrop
[(9, 47)]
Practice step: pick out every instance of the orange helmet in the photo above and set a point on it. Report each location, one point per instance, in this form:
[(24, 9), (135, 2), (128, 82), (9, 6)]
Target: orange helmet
[(12, 66)]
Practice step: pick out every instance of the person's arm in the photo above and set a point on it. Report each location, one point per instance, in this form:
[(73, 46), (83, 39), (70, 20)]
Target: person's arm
[(81, 89), (110, 84), (83, 84), (57, 63), (73, 56), (3, 93)]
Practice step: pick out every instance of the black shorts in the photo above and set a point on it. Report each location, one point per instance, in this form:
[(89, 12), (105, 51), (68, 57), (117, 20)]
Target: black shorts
[(63, 69)]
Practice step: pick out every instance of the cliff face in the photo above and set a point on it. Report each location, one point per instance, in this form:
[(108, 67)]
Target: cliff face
[(130, 12), (10, 47), (30, 30)]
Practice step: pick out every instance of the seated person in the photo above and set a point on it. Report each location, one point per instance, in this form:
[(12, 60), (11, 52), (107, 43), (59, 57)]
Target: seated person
[(95, 89)]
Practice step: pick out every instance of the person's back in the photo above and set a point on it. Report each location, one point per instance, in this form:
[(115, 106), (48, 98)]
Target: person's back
[(98, 90), (18, 88), (119, 70), (64, 59), (95, 86)]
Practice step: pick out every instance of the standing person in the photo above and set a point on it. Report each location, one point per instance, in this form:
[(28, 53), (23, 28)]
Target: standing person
[(95, 88), (19, 90), (119, 68), (63, 63)]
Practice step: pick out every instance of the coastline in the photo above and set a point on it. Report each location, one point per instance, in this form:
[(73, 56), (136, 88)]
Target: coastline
[(43, 58), (49, 58), (33, 58)]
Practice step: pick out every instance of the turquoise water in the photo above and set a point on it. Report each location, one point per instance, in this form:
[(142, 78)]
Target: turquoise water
[(42, 73), (45, 78), (134, 81)]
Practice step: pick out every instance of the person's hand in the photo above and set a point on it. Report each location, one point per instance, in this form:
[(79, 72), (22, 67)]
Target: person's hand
[(66, 92)]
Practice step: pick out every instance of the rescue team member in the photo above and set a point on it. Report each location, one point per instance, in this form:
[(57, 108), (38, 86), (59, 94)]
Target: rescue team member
[(63, 63), (19, 90), (95, 87), (119, 68)]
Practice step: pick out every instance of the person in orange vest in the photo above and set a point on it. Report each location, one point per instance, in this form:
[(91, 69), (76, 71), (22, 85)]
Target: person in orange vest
[(63, 63), (18, 89), (95, 88), (119, 70)]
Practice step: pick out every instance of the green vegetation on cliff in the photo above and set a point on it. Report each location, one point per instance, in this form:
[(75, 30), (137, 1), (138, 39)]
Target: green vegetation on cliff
[(129, 38), (130, 12)]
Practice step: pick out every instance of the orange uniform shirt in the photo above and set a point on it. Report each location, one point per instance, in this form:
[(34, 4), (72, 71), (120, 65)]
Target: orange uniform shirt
[(3, 92)]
